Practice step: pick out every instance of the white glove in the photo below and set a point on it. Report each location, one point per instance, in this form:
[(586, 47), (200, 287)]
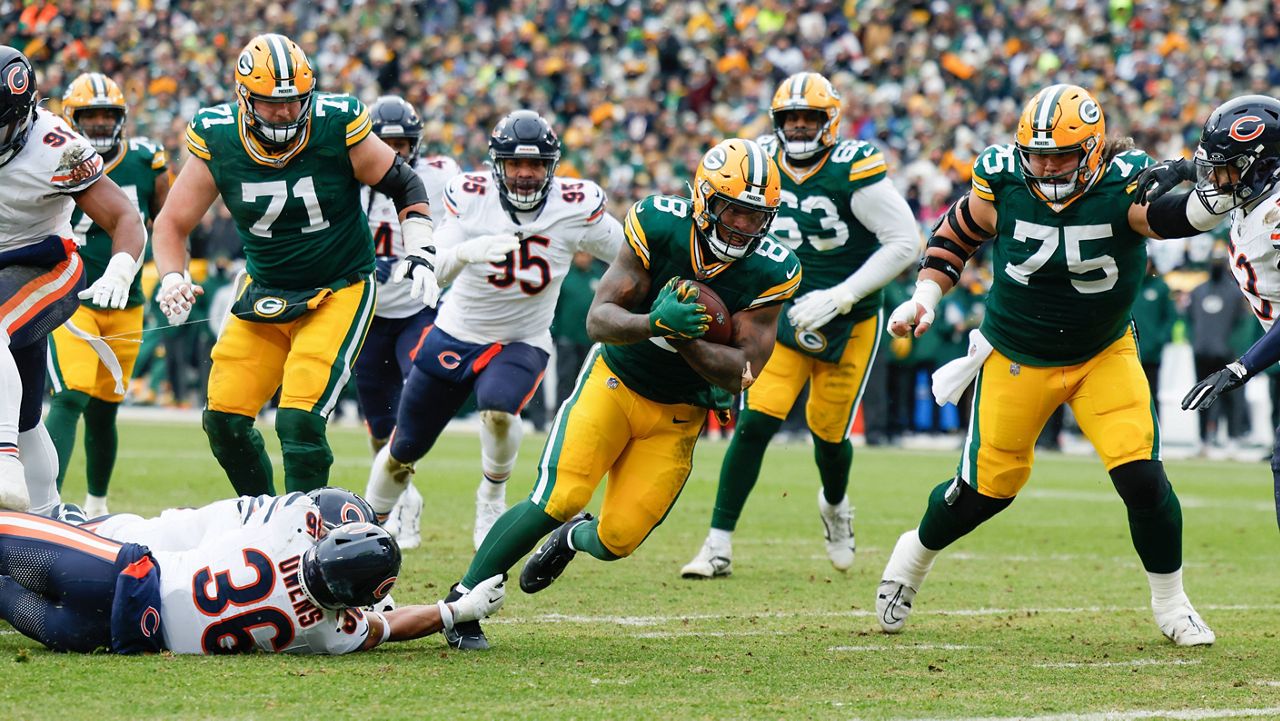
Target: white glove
[(421, 272), (817, 308), (112, 289), (176, 297), (481, 602), (487, 248), (916, 313)]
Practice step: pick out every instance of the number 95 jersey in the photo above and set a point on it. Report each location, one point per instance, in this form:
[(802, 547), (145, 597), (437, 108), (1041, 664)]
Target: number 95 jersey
[(1065, 279), (515, 300)]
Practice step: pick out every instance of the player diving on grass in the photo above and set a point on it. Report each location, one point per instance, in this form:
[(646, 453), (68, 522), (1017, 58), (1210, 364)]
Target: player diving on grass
[(1069, 253), (642, 396)]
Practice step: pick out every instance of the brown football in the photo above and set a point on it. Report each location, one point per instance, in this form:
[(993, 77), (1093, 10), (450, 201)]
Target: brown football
[(721, 330)]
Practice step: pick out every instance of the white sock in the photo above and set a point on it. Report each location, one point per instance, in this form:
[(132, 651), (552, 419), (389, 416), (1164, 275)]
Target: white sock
[(388, 479), (95, 506), (10, 394), (40, 461), (910, 561), (1166, 588), (500, 435), (719, 538), (491, 492)]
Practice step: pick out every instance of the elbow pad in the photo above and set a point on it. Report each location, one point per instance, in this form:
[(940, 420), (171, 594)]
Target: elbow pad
[(402, 185)]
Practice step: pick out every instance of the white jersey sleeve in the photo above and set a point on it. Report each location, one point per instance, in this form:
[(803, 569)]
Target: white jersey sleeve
[(176, 529), (1255, 257), (602, 233), (36, 184)]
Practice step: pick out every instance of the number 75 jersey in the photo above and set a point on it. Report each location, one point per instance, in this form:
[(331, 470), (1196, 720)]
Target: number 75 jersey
[(515, 300), (1065, 278)]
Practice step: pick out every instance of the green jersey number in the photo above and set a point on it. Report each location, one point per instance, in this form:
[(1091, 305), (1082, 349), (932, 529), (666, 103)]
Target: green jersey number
[(278, 192), (1073, 236), (674, 206), (787, 231), (217, 115), (82, 227)]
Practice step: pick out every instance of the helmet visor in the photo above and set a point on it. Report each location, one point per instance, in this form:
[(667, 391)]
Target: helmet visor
[(1221, 183), (278, 120), (738, 223)]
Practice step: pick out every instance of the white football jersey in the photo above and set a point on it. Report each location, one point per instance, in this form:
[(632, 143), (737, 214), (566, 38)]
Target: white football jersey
[(35, 186), (384, 222), (239, 590), (516, 300), (178, 529), (1255, 257)]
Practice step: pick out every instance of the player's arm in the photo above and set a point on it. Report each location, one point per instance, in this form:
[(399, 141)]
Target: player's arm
[(1263, 354), (110, 208), (967, 224), (410, 622), (192, 194), (735, 367), (1173, 215), (160, 192), (623, 287)]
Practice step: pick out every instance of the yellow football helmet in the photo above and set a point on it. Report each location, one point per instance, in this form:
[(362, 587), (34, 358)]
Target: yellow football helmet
[(95, 91), (736, 193), (1062, 119), (806, 91), (273, 69)]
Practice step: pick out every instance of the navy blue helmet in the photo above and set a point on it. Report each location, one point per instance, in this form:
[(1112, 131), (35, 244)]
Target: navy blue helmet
[(355, 565), (1238, 159), (339, 506), (17, 101), (523, 134), (394, 117)]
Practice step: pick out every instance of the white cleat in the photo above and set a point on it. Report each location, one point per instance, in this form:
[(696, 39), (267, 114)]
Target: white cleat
[(837, 522), (405, 521), (487, 513), (893, 605), (13, 485), (1180, 623), (711, 562)]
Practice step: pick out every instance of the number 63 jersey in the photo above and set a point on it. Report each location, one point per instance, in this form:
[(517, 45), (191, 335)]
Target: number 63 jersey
[(239, 591), (515, 300), (1065, 278)]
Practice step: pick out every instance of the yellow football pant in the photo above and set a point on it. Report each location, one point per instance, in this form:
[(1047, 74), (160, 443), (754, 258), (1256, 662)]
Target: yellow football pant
[(308, 359), (75, 366), (645, 447), (1107, 393)]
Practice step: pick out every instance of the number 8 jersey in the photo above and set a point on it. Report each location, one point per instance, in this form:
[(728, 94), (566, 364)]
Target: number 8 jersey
[(1065, 279), (298, 212)]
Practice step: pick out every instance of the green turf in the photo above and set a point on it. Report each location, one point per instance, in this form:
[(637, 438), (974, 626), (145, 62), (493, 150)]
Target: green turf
[(1048, 608)]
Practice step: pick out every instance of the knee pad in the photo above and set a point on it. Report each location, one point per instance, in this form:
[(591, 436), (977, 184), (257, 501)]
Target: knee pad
[(1142, 484), (755, 426)]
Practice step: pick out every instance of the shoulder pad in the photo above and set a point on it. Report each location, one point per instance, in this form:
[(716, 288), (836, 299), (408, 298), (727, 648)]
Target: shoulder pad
[(71, 162), (993, 166), (207, 122), (151, 150), (343, 112), (780, 270), (769, 143), (1124, 168), (865, 162), (439, 164), (585, 198), (464, 190)]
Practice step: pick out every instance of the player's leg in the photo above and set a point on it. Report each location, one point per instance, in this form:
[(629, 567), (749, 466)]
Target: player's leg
[(248, 364), (764, 407), (834, 394), (1011, 403), (101, 442), (323, 346), (502, 390), (73, 367), (378, 380), (1114, 408)]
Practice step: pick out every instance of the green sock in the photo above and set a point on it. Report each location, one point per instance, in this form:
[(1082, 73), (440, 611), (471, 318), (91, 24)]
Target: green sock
[(834, 461), (1157, 534), (65, 410), (586, 537), (741, 466), (307, 457), (100, 444), (944, 522), (238, 447), (512, 536)]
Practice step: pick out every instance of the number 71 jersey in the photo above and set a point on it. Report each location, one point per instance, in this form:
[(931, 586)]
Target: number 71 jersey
[(1065, 279)]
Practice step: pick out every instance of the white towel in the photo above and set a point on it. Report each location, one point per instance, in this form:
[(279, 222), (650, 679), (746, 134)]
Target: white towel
[(105, 354), (950, 380)]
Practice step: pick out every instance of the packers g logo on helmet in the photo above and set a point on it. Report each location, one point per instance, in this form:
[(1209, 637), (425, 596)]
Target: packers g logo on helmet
[(273, 69), (806, 91), (736, 193), (95, 91), (1062, 119)]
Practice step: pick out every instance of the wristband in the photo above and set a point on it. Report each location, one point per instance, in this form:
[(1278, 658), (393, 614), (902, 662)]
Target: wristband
[(386, 629), (446, 615)]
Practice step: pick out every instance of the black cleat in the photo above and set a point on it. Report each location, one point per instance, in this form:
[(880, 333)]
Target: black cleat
[(465, 636), (548, 562)]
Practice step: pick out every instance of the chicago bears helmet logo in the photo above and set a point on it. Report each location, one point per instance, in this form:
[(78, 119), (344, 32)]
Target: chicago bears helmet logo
[(1246, 128), (382, 590), (351, 513), (17, 79)]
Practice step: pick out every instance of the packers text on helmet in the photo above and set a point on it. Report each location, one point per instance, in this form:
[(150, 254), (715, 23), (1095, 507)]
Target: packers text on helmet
[(806, 92), (736, 193), (273, 70), (1060, 140), (95, 107)]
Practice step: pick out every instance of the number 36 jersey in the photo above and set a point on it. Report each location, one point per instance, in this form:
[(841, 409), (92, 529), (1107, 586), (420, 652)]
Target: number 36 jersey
[(1065, 281), (298, 213), (239, 591), (515, 300)]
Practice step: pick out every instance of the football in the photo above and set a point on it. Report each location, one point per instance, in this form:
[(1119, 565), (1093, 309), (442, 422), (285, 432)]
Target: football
[(721, 330)]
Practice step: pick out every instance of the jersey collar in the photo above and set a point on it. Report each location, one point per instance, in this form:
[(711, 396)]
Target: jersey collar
[(797, 175), (124, 150), (703, 267), (262, 156)]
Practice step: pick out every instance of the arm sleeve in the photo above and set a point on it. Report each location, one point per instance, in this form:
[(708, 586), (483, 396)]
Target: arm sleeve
[(1264, 353), (883, 210), (448, 236)]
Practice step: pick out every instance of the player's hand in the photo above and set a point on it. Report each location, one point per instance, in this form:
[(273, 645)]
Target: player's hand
[(1156, 180), (176, 297), (487, 248), (819, 307), (677, 314), (112, 289), (421, 272), (482, 601), (1215, 384), (382, 268)]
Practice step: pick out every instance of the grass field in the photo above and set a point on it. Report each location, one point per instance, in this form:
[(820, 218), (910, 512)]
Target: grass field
[(1042, 612)]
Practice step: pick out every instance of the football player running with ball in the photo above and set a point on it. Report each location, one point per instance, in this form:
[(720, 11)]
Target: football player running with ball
[(289, 163), (505, 243), (1069, 255), (854, 233), (642, 396), (82, 385)]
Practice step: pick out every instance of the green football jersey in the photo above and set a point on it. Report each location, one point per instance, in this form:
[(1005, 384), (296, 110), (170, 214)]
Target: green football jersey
[(298, 213), (816, 221), (1064, 281), (135, 168), (660, 231)]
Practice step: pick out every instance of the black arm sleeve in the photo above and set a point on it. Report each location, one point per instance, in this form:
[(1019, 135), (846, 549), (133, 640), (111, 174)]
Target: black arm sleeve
[(1167, 216), (402, 185)]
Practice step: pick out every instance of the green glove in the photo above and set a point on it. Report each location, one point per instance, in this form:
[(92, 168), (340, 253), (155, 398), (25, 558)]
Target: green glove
[(675, 314)]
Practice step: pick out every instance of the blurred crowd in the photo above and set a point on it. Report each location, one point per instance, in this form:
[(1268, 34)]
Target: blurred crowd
[(638, 90)]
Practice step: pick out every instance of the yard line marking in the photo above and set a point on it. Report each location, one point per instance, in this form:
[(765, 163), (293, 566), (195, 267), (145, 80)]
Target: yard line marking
[(1134, 662), (1266, 683), (1194, 714), (1190, 501), (909, 647), (716, 634)]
